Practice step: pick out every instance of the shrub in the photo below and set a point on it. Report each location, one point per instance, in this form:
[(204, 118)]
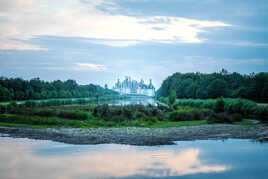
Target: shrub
[(224, 118), (45, 113), (172, 97), (219, 105), (206, 112), (79, 115), (118, 119), (30, 103), (2, 109), (185, 115), (262, 113), (13, 104)]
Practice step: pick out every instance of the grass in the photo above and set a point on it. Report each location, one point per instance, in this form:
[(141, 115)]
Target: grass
[(129, 115), (165, 124), (247, 108), (244, 122), (63, 101), (101, 123), (5, 124)]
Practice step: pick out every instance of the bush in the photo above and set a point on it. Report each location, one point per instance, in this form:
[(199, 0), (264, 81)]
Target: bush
[(172, 97), (262, 113), (2, 109), (30, 103), (224, 118), (219, 105), (187, 114), (78, 115), (31, 120), (13, 104), (45, 113), (118, 119)]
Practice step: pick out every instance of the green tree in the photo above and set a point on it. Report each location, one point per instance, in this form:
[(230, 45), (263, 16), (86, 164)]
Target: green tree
[(217, 88), (5, 95), (172, 97)]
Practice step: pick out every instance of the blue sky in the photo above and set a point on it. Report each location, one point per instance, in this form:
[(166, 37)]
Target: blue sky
[(98, 41)]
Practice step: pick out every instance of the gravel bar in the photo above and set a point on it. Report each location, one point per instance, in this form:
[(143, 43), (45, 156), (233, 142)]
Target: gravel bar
[(140, 136)]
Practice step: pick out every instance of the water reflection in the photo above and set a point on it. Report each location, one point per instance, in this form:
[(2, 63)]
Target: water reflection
[(22, 158), (131, 101)]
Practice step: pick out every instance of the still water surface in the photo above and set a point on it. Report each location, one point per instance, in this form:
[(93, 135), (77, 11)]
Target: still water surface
[(26, 159), (131, 101)]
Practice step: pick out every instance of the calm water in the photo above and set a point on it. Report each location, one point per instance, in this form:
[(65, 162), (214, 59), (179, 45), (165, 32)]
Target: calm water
[(26, 159), (132, 100)]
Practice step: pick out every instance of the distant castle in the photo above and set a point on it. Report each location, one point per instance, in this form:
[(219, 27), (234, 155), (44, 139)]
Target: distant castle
[(129, 86)]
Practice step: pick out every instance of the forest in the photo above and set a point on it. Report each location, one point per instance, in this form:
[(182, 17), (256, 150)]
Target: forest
[(218, 84), (19, 89)]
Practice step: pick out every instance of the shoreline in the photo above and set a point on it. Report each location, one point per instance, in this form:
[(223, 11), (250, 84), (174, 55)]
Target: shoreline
[(140, 136)]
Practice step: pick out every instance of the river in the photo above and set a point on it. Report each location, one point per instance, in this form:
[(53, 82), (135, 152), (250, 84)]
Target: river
[(143, 100), (212, 159)]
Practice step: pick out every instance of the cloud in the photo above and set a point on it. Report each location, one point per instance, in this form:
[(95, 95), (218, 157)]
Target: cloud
[(75, 67), (24, 20), (6, 44), (89, 67), (115, 43)]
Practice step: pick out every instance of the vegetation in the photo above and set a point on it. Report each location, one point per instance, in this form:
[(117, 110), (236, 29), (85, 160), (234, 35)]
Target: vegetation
[(225, 107), (206, 86), (114, 116), (39, 110), (19, 89), (172, 97)]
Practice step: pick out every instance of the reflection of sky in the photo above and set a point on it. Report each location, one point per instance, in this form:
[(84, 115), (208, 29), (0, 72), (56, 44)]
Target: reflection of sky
[(43, 159), (141, 100), (133, 101)]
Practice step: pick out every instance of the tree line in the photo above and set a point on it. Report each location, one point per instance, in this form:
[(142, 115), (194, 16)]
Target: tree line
[(19, 89), (204, 86)]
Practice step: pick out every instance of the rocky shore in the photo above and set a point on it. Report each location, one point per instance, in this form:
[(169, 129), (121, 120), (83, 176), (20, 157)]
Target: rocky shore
[(140, 136)]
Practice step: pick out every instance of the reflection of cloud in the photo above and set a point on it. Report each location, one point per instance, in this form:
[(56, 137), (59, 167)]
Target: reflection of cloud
[(21, 160), (26, 19)]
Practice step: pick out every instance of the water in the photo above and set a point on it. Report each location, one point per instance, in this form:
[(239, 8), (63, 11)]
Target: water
[(26, 159), (131, 101)]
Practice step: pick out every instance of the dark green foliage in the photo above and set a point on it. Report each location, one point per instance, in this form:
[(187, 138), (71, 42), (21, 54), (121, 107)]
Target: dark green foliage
[(77, 115), (262, 113), (30, 103), (204, 86), (46, 112), (19, 89), (247, 108), (3, 109), (127, 113), (172, 97), (5, 94), (114, 116), (224, 118), (189, 114), (35, 120), (217, 88), (219, 105)]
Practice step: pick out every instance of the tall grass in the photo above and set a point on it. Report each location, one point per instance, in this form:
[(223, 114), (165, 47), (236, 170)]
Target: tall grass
[(247, 108)]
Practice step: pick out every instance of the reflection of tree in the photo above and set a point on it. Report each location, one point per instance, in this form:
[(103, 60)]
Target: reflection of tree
[(102, 161)]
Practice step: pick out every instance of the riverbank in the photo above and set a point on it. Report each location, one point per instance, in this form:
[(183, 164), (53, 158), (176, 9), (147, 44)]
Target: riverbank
[(141, 136)]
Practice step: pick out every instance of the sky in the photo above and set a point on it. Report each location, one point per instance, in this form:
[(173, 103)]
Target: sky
[(99, 41)]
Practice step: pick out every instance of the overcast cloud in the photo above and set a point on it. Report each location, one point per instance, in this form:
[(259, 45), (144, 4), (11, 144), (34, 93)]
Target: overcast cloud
[(97, 41)]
